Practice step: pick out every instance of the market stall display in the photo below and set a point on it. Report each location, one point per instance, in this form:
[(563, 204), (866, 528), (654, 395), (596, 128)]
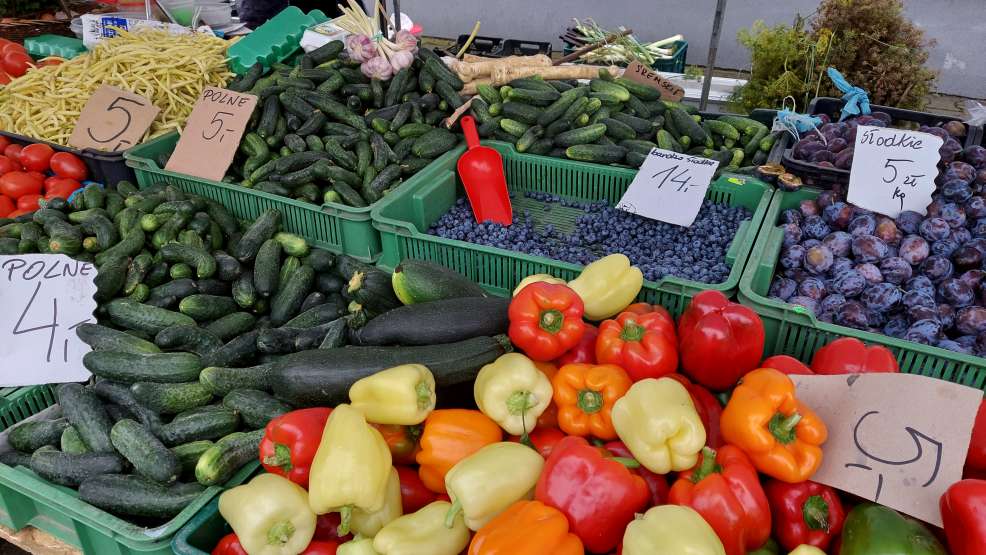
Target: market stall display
[(33, 173)]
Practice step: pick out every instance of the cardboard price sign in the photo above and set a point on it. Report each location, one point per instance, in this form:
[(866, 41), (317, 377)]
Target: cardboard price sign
[(45, 297), (669, 187), (639, 73), (896, 439), (893, 170), (113, 120), (212, 133)]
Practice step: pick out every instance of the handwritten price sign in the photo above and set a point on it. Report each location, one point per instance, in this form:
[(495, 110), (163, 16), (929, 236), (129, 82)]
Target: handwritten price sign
[(893, 170), (212, 134), (44, 298), (896, 439), (669, 187), (113, 120)]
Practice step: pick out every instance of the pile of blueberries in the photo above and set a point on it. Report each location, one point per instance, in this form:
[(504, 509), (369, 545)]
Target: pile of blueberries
[(659, 249), (919, 278)]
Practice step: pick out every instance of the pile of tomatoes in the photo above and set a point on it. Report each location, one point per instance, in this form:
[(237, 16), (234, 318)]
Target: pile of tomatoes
[(15, 61), (34, 172)]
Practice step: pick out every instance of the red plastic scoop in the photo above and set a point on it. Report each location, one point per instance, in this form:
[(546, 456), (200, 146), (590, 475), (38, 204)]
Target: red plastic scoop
[(481, 171)]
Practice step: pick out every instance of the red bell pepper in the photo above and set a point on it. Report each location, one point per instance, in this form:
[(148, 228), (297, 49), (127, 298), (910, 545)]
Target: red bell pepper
[(724, 488), (584, 351), (327, 528), (975, 459), (402, 441), (708, 407), (719, 341), (598, 495), (644, 345), (645, 308), (543, 439), (804, 513), (321, 548), (229, 545), (414, 493), (786, 364), (848, 355), (656, 483), (290, 442), (963, 512), (545, 320)]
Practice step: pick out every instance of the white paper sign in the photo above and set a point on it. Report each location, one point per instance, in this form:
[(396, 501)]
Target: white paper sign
[(896, 439), (893, 170), (669, 187), (43, 298)]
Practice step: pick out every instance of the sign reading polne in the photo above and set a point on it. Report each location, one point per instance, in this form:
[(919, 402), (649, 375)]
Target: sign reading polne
[(212, 133)]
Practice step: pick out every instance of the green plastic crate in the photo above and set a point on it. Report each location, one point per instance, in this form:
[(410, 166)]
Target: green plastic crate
[(404, 216), (674, 64), (18, 403), (792, 330), (274, 41), (26, 499), (202, 533), (334, 227)]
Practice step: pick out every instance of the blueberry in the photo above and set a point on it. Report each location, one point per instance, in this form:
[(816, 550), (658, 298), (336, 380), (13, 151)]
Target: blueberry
[(924, 331), (937, 268), (908, 221), (815, 227), (806, 302), (881, 297), (839, 242), (895, 270), (863, 224), (850, 283), (818, 259), (870, 272), (868, 248), (813, 288), (934, 229)]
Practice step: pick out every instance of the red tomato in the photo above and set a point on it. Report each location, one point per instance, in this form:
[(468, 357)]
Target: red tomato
[(35, 157), (11, 47), (19, 212), (13, 151), (4, 141), (7, 165), (4, 77), (6, 206), (16, 63), (38, 175), (28, 202), (5, 42), (61, 186), (18, 184), (66, 164)]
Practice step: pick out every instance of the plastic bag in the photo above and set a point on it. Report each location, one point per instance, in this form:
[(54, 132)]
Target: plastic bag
[(857, 101), (977, 113)]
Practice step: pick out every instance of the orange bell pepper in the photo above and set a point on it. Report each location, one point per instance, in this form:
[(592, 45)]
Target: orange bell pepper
[(548, 418), (526, 528), (449, 436), (585, 395), (781, 435)]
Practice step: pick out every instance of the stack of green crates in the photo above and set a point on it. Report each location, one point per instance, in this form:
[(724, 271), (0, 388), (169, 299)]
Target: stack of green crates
[(793, 330), (403, 218)]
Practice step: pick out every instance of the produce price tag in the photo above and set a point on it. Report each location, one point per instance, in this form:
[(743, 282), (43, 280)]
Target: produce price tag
[(896, 439), (212, 133), (669, 187), (113, 120), (893, 170), (639, 73), (44, 298)]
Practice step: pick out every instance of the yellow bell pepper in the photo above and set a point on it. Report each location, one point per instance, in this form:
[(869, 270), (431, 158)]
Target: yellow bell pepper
[(534, 278), (805, 549), (513, 393), (358, 546), (423, 533), (607, 286), (270, 515), (671, 530), (369, 523), (486, 483), (402, 395), (351, 467), (659, 424)]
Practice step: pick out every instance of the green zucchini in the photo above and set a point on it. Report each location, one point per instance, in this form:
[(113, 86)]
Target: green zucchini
[(149, 457), (83, 410), (218, 464), (417, 281), (255, 407), (131, 368)]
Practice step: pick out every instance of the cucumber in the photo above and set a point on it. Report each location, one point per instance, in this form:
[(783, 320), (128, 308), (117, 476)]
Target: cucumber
[(611, 88), (643, 92), (220, 380), (287, 301), (131, 368), (321, 260), (83, 410), (138, 496), (149, 457), (292, 244), (102, 338), (181, 271), (170, 398), (188, 338), (202, 423), (417, 281), (617, 130), (534, 97), (515, 128), (582, 135), (188, 456), (433, 64), (120, 395), (71, 442), (318, 315), (433, 143), (110, 278), (170, 292), (262, 229), (207, 307), (198, 258), (238, 350), (231, 325), (243, 291), (142, 317), (372, 288), (255, 407), (31, 435), (71, 470), (521, 112), (218, 464), (600, 154), (687, 126)]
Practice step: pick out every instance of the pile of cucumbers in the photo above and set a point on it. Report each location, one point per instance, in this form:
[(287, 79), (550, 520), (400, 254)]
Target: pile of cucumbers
[(325, 133), (613, 121)]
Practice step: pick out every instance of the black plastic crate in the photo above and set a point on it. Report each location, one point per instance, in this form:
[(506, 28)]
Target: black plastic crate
[(816, 176), (107, 168), (489, 47), (515, 47)]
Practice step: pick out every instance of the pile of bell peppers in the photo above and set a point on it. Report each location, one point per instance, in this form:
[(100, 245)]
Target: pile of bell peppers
[(604, 433)]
